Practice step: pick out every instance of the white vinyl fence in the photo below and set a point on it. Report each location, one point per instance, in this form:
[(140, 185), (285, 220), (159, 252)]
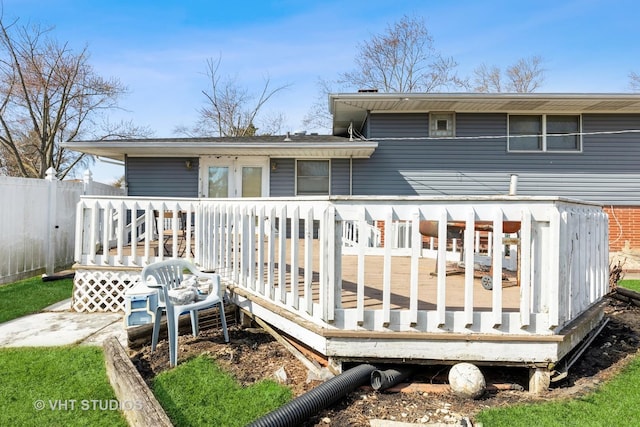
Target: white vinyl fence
[(37, 222)]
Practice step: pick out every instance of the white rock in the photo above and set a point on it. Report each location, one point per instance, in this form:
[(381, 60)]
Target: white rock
[(319, 375), (281, 375), (467, 381)]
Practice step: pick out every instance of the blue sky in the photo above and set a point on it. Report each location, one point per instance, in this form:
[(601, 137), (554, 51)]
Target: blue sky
[(158, 49)]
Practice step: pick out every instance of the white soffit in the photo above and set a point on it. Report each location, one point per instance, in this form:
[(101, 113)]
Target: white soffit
[(156, 148), (353, 108)]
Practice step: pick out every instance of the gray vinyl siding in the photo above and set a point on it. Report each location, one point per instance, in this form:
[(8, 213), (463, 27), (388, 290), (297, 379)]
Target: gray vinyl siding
[(161, 177), (168, 177), (340, 177), (282, 180), (606, 171)]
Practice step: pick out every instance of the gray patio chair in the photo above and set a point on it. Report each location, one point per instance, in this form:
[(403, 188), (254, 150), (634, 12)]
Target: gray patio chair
[(169, 275)]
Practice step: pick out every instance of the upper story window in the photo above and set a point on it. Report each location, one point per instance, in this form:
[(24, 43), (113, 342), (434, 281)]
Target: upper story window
[(442, 125), (544, 132), (312, 177)]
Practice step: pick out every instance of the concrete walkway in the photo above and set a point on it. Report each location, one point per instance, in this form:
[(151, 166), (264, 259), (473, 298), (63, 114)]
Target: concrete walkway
[(59, 325)]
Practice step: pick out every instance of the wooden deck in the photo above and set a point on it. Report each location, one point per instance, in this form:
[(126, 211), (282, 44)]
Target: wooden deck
[(376, 297), (400, 280)]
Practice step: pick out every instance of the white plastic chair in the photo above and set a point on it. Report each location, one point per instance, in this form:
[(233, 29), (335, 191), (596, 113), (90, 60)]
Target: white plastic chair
[(168, 275)]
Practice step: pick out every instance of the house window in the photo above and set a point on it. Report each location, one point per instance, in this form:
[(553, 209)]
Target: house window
[(555, 133), (563, 133), (525, 133), (312, 177), (442, 125)]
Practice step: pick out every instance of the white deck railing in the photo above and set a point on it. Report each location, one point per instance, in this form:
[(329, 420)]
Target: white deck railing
[(563, 254)]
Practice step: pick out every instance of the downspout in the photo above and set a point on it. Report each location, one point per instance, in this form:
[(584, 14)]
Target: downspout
[(126, 175), (351, 175), (300, 409)]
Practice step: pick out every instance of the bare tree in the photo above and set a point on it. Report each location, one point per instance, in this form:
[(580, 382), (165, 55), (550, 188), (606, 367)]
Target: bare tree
[(634, 81), (524, 76), (318, 116), (487, 79), (403, 59), (230, 110), (49, 94)]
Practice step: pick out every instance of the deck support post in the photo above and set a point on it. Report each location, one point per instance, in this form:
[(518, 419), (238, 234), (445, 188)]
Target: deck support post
[(246, 321), (335, 365), (539, 380)]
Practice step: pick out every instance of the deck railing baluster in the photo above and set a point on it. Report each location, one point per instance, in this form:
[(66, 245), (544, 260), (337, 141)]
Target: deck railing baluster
[(441, 268), (524, 270), (295, 242), (358, 288), (386, 271), (496, 264), (261, 239), (282, 254), (361, 259), (416, 249), (469, 265), (308, 261)]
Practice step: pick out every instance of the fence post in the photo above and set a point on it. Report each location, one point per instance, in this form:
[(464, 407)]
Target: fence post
[(87, 183), (52, 226)]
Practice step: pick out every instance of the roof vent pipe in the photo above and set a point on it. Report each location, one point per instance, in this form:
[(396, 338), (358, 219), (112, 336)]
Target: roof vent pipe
[(288, 137), (513, 185)]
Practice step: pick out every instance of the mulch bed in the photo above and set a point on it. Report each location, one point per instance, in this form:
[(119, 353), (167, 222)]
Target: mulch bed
[(254, 355)]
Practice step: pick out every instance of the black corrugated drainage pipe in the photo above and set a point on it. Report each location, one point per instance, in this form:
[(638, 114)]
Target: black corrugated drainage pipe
[(381, 380), (301, 408)]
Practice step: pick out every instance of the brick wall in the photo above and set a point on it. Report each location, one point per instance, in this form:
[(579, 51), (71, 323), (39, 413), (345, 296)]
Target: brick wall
[(624, 227)]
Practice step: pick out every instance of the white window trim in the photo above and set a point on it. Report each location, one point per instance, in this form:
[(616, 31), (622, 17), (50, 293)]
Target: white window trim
[(439, 115), (253, 161), (296, 176), (544, 134), (235, 165)]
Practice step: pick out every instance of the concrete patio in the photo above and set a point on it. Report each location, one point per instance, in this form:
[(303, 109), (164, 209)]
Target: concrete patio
[(59, 325)]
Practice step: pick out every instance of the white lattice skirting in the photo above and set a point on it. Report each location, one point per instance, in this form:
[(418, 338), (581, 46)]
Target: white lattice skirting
[(102, 290)]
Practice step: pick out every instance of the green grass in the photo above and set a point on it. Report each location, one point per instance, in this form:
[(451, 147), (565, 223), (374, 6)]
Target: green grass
[(613, 404), (31, 295), (634, 285), (39, 387), (198, 393)]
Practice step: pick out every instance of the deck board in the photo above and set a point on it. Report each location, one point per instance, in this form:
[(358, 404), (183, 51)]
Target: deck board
[(400, 283), (373, 291)]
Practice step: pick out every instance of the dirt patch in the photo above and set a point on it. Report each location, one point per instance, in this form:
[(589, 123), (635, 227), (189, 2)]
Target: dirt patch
[(253, 355)]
